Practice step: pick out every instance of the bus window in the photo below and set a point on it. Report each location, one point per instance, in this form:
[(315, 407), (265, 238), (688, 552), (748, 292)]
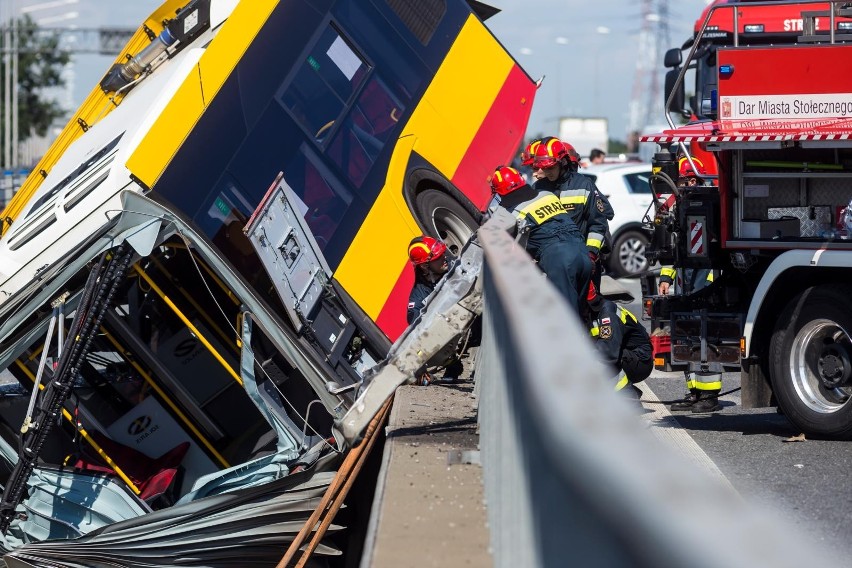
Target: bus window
[(323, 84), (422, 19), (365, 131), (326, 202)]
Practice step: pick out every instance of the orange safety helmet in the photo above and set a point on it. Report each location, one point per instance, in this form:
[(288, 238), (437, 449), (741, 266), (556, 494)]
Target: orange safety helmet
[(685, 170), (505, 180), (550, 153), (425, 249)]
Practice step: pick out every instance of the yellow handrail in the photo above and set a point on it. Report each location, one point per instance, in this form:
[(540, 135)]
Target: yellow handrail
[(85, 435), (213, 351), (153, 384)]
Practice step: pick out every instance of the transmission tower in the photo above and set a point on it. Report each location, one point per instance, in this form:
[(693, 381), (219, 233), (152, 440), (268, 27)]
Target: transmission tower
[(646, 105)]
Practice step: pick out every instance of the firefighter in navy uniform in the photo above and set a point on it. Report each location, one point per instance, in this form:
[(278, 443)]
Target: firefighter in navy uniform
[(557, 162), (703, 385), (620, 340), (431, 262), (546, 230), (430, 259)]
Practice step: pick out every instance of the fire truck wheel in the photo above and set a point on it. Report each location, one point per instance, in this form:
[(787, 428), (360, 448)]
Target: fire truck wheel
[(811, 354), (446, 218), (627, 259)]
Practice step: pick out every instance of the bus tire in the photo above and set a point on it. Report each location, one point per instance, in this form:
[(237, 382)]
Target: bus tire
[(811, 361), (444, 217)]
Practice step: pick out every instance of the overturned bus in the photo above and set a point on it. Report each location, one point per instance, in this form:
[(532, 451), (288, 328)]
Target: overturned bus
[(199, 273)]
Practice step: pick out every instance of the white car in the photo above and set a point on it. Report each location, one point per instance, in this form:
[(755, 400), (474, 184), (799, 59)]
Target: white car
[(627, 188)]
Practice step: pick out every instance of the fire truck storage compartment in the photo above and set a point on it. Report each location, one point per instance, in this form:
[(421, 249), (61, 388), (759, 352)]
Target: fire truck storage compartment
[(721, 330), (777, 187), (699, 210)]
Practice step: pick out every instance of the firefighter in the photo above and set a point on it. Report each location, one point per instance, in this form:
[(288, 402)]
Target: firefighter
[(692, 279), (589, 209), (548, 233), (431, 262), (702, 383), (620, 340), (430, 259)]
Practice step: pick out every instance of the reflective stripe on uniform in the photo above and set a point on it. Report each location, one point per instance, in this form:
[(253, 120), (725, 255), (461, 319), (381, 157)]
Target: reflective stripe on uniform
[(571, 201), (668, 272), (594, 241), (543, 207), (622, 381), (711, 382), (625, 314)]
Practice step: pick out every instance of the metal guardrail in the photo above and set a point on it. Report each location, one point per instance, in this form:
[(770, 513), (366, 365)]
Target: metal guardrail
[(572, 478)]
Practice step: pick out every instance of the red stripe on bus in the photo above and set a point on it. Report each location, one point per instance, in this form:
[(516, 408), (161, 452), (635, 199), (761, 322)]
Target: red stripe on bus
[(498, 136), (392, 318)]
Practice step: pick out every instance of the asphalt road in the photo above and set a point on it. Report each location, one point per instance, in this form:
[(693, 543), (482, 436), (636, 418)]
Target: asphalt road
[(805, 480)]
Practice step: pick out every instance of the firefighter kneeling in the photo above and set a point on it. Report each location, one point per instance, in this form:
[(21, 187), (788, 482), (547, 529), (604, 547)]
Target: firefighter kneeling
[(621, 341)]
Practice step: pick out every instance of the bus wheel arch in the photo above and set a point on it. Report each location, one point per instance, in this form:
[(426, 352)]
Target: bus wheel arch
[(811, 360), (440, 209)]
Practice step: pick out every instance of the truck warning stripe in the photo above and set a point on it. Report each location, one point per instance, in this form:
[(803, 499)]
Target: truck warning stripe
[(696, 238)]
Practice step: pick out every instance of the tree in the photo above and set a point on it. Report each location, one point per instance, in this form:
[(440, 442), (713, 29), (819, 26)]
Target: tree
[(40, 64)]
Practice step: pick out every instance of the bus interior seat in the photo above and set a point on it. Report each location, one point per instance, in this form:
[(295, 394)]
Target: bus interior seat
[(152, 476)]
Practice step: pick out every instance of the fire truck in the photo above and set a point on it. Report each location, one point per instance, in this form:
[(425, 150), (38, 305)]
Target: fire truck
[(774, 223), (738, 23)]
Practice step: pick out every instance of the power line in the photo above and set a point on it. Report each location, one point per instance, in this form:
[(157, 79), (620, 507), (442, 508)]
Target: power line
[(101, 41)]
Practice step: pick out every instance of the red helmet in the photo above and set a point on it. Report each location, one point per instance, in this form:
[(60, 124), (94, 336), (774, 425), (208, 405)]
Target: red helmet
[(549, 153), (505, 180), (573, 154), (425, 249), (528, 155), (685, 170), (529, 152)]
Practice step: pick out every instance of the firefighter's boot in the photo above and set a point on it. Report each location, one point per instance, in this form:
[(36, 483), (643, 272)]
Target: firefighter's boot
[(708, 401), (687, 402)]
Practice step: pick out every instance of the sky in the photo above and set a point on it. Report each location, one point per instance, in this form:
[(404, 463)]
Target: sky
[(587, 51)]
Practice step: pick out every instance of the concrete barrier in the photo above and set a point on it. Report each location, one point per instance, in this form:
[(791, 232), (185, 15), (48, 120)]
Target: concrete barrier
[(572, 477)]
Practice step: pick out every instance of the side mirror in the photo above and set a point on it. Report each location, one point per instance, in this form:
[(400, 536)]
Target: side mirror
[(677, 96), (672, 58)]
